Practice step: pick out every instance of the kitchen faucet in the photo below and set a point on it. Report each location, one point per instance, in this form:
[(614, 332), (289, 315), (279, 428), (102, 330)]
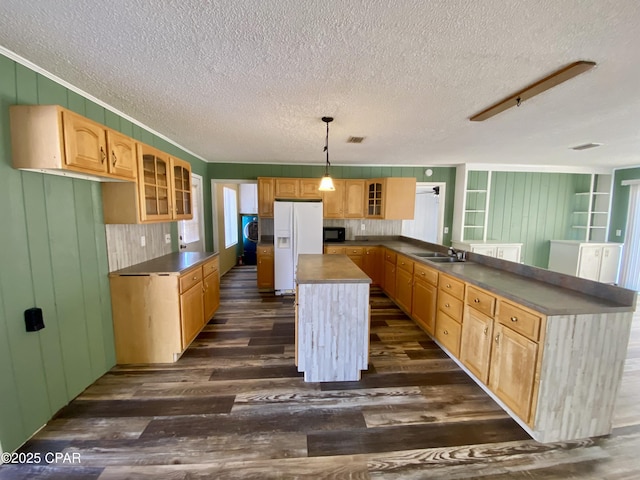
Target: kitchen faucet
[(459, 254)]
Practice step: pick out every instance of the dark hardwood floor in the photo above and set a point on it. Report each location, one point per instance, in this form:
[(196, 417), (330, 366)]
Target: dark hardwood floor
[(235, 407)]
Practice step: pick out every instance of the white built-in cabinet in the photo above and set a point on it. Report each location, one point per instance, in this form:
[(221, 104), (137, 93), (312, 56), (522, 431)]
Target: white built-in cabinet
[(503, 251), (592, 205), (593, 261)]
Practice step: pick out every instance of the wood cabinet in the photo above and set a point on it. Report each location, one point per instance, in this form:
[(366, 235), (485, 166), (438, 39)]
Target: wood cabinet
[(389, 285), (372, 264), (156, 316), (331, 250), (354, 198), (191, 306), (287, 187), (162, 194), (404, 282), (594, 261), (265, 267), (513, 370), (477, 331), (308, 188), (266, 196), (52, 139), (424, 298), (333, 202), (449, 312), (356, 254), (391, 198), (211, 288)]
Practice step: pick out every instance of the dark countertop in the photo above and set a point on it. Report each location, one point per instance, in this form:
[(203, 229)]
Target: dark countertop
[(171, 264), (319, 268)]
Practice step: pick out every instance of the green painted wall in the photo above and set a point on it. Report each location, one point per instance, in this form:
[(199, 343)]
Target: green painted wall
[(251, 171), (533, 208), (620, 202), (53, 255)]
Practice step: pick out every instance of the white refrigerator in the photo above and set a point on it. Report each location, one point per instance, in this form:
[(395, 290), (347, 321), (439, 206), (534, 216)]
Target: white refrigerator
[(297, 229)]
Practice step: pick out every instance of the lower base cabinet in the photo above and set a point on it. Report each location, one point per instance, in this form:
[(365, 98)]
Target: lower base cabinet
[(425, 297), (157, 316), (475, 345), (265, 268)]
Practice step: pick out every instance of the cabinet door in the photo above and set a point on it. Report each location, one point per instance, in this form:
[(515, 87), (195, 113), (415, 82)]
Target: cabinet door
[(513, 369), (374, 199), (154, 181), (610, 264), (191, 313), (265, 267), (589, 262), (356, 254), (510, 253), (211, 295), (266, 195), (390, 279), (122, 155), (423, 305), (309, 188), (354, 198), (371, 264), (85, 143), (287, 187), (333, 202), (489, 251), (182, 196), (404, 289), (448, 332), (475, 344)]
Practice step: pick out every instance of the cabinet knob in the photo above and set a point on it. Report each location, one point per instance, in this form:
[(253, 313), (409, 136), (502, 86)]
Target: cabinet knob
[(497, 338), (114, 158), (422, 273), (514, 319), (195, 277), (476, 300), (448, 285), (486, 330), (445, 332), (103, 156), (446, 305)]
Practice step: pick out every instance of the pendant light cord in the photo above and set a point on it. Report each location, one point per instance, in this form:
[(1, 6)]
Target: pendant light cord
[(326, 149)]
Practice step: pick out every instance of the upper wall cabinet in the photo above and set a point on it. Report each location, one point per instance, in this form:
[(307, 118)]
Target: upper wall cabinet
[(391, 198), (162, 193), (51, 139), (266, 195)]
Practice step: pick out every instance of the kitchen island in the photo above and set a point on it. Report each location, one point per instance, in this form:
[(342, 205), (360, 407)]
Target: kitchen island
[(332, 318)]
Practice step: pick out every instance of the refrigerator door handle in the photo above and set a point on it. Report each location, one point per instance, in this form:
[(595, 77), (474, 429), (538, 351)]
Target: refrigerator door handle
[(294, 220)]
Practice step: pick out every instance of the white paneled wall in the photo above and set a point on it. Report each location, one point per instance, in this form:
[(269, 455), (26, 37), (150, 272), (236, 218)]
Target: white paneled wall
[(124, 245)]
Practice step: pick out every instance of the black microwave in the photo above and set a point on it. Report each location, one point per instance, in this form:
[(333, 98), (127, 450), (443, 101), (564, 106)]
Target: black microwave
[(333, 234)]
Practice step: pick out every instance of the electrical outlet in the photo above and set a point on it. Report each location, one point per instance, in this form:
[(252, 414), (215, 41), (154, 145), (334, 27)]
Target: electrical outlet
[(143, 241), (446, 230), (618, 233), (362, 227), (167, 238)]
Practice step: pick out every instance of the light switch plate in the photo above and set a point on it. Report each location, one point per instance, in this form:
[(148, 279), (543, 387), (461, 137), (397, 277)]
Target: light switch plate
[(618, 233), (167, 238), (446, 230), (143, 241), (362, 227)]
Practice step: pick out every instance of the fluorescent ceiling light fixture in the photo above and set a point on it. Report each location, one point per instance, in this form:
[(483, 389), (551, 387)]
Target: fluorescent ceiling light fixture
[(550, 81)]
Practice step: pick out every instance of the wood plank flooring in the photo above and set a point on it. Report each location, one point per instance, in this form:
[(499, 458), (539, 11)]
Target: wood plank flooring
[(235, 407)]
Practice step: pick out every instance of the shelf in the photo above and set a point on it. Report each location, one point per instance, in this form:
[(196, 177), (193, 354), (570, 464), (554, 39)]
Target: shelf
[(474, 211), (476, 191), (476, 226)]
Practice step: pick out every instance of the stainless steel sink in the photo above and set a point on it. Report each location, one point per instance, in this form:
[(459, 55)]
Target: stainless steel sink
[(431, 255)]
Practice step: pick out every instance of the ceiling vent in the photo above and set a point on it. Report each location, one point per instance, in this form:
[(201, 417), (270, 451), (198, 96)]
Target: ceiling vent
[(586, 146), (355, 139)]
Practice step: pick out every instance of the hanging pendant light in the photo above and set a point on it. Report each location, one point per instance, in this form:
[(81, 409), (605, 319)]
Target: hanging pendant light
[(326, 184)]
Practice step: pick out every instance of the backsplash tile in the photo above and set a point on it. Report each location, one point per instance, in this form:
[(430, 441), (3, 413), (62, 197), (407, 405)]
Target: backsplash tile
[(371, 227), (124, 247)]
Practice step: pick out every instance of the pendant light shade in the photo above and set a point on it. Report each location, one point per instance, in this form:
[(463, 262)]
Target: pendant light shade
[(326, 184)]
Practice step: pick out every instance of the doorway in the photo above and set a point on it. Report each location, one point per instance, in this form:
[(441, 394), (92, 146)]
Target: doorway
[(191, 232), (428, 221)]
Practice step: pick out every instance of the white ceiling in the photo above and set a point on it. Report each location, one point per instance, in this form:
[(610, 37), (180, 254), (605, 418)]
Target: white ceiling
[(248, 80)]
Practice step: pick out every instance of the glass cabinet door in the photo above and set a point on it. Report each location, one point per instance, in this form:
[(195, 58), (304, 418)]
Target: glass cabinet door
[(374, 199), (156, 201), (182, 189)]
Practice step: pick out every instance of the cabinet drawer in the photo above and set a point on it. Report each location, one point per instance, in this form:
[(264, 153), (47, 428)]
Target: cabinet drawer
[(448, 333), (404, 263), (451, 285), (390, 256), (190, 278), (480, 300), (425, 273), (450, 305), (335, 250), (265, 251), (354, 250), (210, 267), (520, 320)]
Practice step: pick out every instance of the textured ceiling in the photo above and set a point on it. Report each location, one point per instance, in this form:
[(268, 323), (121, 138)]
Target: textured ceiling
[(248, 80)]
